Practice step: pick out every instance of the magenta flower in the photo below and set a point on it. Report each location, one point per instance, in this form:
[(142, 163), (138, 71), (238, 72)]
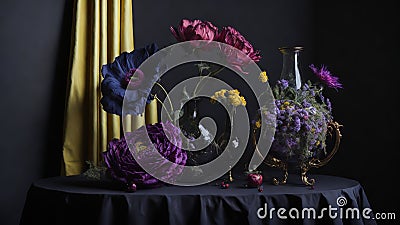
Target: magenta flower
[(232, 37), (326, 77), (194, 30)]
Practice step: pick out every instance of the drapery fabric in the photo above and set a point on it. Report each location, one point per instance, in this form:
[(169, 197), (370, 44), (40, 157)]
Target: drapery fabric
[(102, 29)]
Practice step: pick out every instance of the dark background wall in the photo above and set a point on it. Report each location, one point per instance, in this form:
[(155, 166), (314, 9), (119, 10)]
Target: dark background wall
[(34, 45), (357, 40)]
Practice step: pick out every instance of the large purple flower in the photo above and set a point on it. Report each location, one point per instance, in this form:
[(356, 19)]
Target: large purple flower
[(124, 168), (117, 76), (194, 30), (326, 77)]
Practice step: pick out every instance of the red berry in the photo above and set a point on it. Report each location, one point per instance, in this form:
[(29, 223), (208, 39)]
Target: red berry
[(254, 180), (131, 187)]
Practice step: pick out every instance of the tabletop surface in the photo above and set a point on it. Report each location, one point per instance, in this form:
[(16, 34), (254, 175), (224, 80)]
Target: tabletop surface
[(80, 184), (79, 200)]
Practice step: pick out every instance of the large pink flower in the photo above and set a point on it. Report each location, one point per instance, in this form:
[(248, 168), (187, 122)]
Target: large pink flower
[(194, 30), (232, 37)]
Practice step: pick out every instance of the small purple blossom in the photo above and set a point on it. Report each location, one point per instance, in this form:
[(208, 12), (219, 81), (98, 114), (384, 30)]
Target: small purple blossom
[(321, 97), (306, 104), (284, 83), (326, 77), (329, 104), (291, 142), (297, 124)]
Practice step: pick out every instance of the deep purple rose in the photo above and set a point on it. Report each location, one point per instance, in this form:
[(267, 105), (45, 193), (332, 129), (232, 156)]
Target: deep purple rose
[(194, 30), (124, 168), (117, 76), (232, 37)]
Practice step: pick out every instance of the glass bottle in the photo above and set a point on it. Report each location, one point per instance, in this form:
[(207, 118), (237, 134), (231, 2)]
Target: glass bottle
[(290, 67)]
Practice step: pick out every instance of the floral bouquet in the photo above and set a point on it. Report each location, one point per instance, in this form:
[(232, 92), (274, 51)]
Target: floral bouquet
[(303, 120), (189, 30), (303, 116), (123, 79)]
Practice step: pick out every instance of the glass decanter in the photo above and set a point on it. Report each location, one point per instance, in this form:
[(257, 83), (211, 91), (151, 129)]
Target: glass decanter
[(290, 67)]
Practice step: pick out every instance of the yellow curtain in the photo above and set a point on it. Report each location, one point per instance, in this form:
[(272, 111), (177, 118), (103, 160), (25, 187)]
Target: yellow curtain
[(102, 29)]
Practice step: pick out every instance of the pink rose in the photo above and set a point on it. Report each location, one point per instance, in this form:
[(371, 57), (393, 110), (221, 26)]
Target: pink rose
[(232, 37), (194, 30)]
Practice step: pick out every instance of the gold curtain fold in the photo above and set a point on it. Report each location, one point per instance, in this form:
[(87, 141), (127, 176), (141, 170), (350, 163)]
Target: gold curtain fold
[(102, 30)]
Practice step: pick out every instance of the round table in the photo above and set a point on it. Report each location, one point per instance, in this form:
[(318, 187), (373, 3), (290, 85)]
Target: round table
[(78, 200)]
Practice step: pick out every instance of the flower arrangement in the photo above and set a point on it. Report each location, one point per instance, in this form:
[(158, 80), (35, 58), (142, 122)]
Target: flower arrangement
[(123, 79), (190, 30), (301, 123)]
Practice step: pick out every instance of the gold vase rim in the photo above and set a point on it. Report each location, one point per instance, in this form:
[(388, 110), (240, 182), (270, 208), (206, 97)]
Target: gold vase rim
[(292, 48)]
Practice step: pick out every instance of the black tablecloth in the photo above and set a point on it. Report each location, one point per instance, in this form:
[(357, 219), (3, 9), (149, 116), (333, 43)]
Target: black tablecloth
[(77, 200)]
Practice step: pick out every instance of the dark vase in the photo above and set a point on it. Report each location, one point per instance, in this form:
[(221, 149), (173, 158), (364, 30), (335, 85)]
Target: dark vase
[(189, 120), (189, 123)]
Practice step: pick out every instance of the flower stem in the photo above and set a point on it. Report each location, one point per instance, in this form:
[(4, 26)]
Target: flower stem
[(162, 105), (203, 77), (166, 94)]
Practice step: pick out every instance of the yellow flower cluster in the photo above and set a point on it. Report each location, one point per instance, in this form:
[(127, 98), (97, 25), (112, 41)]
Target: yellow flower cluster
[(218, 95), (285, 105), (258, 124), (233, 96), (263, 77)]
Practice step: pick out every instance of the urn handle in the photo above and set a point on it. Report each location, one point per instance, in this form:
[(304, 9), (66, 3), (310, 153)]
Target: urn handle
[(333, 129)]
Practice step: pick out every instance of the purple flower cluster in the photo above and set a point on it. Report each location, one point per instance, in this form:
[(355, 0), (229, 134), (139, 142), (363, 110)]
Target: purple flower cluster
[(301, 122), (123, 166)]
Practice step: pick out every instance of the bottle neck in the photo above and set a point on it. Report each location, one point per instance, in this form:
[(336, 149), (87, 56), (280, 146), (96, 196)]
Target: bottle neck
[(290, 68)]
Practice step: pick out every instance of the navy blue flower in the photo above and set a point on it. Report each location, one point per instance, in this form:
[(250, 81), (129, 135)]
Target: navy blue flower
[(117, 75)]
